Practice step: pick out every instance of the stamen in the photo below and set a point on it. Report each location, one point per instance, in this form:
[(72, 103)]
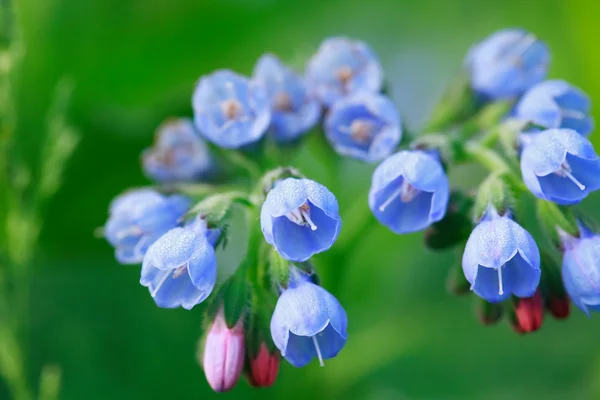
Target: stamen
[(406, 191), (344, 74), (501, 291), (301, 216), (574, 114), (390, 199), (180, 271), (361, 130), (565, 172), (132, 231), (321, 363), (231, 108), (283, 102)]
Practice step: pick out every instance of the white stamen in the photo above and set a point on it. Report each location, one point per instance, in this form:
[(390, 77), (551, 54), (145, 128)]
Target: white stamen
[(180, 271), (574, 114), (501, 291), (321, 363), (301, 216), (306, 216), (565, 171)]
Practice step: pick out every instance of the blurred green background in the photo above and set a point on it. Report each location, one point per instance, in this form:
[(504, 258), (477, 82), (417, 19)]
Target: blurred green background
[(134, 62)]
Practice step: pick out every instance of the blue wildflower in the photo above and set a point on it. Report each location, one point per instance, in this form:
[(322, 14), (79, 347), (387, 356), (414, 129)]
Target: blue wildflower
[(560, 165), (178, 154), (366, 126), (180, 268), (139, 217), (293, 111), (507, 63), (501, 259), (300, 218), (409, 191), (556, 104), (308, 322), (581, 269), (341, 67), (230, 110)]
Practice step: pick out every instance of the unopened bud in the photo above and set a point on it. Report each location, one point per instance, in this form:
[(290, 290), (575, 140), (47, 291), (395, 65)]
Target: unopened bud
[(264, 367)]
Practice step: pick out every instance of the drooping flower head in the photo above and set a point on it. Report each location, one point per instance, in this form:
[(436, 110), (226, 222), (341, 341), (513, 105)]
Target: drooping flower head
[(501, 259), (556, 104), (409, 191), (223, 356), (581, 269), (365, 126), (341, 67), (560, 165), (230, 110), (300, 218), (507, 63), (178, 154), (180, 268), (264, 367), (293, 110), (308, 322), (139, 217)]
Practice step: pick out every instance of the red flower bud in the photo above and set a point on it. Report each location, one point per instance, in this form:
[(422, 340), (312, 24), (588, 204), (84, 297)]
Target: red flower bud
[(559, 307), (529, 314), (264, 367)]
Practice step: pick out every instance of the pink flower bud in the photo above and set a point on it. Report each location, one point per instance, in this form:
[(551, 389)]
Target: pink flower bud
[(223, 354), (529, 314), (264, 367)]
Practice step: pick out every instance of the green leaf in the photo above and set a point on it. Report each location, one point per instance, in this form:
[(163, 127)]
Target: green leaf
[(235, 297), (279, 268), (553, 217), (495, 191)]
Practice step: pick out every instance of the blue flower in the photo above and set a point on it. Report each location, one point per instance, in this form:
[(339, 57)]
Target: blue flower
[(556, 104), (178, 154), (293, 111), (230, 110), (507, 63), (501, 259), (341, 67), (581, 269), (308, 322), (300, 218), (560, 165), (409, 191), (180, 268), (364, 126), (137, 218)]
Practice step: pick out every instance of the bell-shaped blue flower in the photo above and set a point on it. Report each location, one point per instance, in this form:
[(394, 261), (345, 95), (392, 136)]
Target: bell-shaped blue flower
[(293, 110), (366, 126), (230, 110), (308, 322), (581, 269), (341, 67), (139, 217), (300, 218), (409, 191), (501, 259), (507, 63), (556, 104), (560, 165), (178, 154), (180, 268)]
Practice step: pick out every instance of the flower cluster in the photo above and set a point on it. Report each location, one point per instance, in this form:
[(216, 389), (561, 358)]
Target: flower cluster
[(272, 305)]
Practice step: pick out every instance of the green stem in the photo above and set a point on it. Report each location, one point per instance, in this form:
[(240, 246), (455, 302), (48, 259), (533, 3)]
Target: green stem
[(492, 161)]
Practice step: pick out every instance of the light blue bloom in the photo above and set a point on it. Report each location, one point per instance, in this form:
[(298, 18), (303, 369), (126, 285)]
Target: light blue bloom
[(180, 268), (341, 67), (178, 154), (501, 259), (581, 269), (139, 217), (409, 191), (230, 110), (560, 165), (308, 322), (300, 218), (366, 126), (507, 63), (293, 111), (556, 104)]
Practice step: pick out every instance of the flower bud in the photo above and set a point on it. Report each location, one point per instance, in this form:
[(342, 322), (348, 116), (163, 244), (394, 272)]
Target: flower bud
[(264, 367), (223, 354), (489, 313), (528, 314), (559, 307)]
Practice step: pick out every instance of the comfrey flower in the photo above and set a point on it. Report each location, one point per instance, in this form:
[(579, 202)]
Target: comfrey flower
[(230, 110), (300, 218), (223, 356), (139, 217), (409, 191), (366, 126), (560, 165), (581, 269), (293, 111), (341, 67), (180, 268), (501, 259), (556, 104), (178, 154), (308, 322), (507, 63)]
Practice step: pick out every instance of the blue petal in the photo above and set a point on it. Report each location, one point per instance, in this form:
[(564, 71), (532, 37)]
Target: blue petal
[(169, 291), (301, 349), (202, 267), (173, 249), (581, 272)]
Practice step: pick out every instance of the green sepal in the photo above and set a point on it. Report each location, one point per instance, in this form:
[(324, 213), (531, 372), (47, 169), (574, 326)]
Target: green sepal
[(446, 145), (235, 297), (259, 327), (495, 191), (279, 268), (508, 133), (455, 227), (554, 219), (215, 208), (456, 283), (486, 119), (268, 180), (488, 313)]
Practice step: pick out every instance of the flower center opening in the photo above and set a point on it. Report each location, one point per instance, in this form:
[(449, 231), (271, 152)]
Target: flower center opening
[(406, 192), (283, 102), (321, 363), (176, 273), (344, 74), (301, 216), (565, 171), (362, 130), (231, 108)]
